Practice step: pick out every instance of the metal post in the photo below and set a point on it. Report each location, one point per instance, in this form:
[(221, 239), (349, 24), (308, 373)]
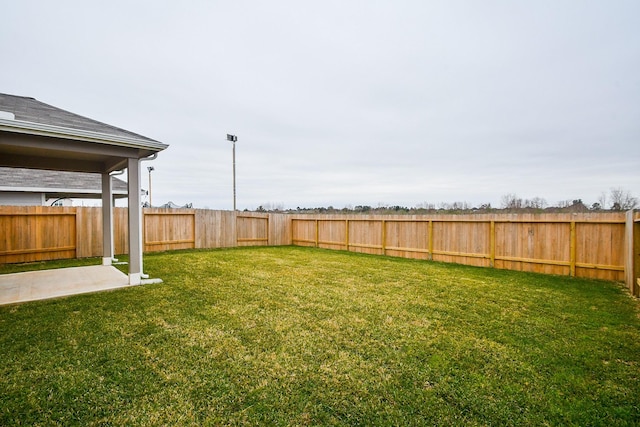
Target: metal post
[(150, 168), (234, 174), (233, 139)]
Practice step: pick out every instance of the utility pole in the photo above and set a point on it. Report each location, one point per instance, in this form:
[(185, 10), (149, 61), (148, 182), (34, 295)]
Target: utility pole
[(233, 139)]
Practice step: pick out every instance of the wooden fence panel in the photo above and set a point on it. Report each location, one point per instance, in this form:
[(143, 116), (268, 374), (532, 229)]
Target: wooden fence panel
[(407, 238), (169, 229), (462, 242), (36, 233), (252, 230), (279, 229), (541, 247), (303, 232), (89, 225), (215, 229), (120, 232), (598, 252), (331, 234), (365, 235)]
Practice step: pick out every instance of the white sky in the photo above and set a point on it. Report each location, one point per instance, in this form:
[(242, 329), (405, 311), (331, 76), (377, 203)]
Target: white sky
[(348, 103)]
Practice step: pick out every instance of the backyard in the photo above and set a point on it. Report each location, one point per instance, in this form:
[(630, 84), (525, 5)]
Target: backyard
[(304, 336)]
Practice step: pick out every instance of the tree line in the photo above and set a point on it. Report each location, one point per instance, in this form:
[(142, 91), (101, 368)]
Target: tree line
[(616, 200)]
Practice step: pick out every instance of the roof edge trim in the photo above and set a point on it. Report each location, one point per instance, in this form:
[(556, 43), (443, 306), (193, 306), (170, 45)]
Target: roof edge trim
[(18, 126), (55, 190)]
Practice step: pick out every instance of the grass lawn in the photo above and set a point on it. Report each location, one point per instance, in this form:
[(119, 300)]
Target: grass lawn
[(302, 336)]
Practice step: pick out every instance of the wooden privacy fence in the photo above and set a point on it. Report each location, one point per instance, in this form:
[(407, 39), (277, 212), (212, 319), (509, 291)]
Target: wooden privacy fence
[(175, 229), (578, 245), (36, 233), (605, 246)]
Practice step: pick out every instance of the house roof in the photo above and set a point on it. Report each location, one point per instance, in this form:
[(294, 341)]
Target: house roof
[(37, 135), (57, 183), (31, 110)]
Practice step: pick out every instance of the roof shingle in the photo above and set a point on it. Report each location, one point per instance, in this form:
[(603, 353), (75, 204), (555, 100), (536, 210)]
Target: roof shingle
[(31, 110), (55, 181)]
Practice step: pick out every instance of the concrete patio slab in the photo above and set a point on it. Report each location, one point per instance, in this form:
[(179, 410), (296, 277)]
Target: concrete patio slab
[(37, 285)]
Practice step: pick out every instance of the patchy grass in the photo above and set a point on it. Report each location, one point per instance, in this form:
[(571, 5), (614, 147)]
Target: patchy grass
[(298, 336)]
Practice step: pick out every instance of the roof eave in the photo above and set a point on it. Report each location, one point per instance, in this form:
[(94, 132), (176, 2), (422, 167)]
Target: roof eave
[(88, 191), (30, 128)]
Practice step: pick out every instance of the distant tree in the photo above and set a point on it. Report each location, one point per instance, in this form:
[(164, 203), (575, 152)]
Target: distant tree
[(602, 200), (426, 205), (362, 208), (622, 200), (511, 201), (460, 206), (536, 203)]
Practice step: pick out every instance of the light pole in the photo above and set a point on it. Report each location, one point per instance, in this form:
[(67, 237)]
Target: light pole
[(150, 168), (233, 139)]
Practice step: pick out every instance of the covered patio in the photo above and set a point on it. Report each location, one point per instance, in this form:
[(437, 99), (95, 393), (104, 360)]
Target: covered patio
[(39, 136)]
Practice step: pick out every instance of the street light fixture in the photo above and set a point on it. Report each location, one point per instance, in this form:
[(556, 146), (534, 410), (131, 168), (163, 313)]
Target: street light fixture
[(233, 139), (150, 168)]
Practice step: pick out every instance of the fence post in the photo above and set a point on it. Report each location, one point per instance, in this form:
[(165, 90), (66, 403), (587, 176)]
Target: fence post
[(632, 253), (291, 224), (346, 233), (572, 255), (431, 240), (492, 243)]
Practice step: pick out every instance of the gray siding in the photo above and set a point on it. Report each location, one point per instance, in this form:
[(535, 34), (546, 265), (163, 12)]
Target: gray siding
[(11, 198)]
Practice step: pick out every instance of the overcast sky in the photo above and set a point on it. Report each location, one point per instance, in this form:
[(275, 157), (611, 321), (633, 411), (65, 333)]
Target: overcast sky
[(347, 103)]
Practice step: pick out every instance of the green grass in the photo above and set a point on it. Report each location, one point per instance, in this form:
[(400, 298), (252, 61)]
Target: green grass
[(298, 336)]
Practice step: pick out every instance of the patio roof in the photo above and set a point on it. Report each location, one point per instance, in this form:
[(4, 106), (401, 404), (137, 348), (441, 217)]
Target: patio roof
[(39, 136)]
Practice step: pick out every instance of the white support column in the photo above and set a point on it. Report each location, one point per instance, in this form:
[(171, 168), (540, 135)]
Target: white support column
[(107, 220), (135, 222)]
